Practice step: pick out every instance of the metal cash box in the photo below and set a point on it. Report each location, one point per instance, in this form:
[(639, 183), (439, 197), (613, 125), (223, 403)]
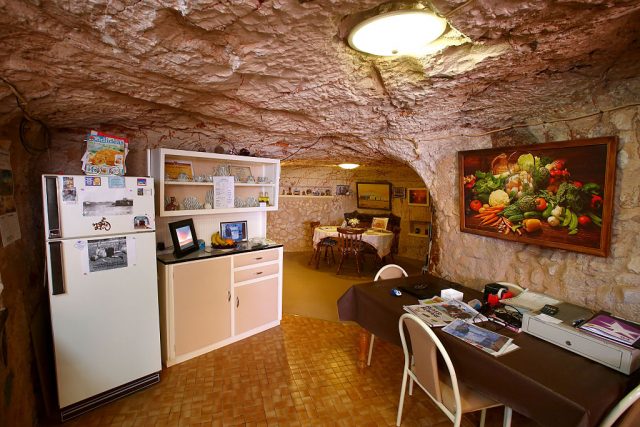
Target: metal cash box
[(619, 357)]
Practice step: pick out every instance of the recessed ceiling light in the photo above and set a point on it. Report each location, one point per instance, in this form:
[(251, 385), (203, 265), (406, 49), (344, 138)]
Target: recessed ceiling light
[(403, 32), (348, 165)]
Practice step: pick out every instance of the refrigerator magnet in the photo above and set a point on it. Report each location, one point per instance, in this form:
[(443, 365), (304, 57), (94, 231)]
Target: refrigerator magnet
[(142, 182), (141, 222), (116, 182), (92, 181)]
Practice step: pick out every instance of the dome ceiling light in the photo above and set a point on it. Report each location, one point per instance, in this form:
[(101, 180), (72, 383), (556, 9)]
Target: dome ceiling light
[(348, 165), (402, 32)]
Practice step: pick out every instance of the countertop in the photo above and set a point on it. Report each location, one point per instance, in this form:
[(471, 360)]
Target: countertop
[(168, 257)]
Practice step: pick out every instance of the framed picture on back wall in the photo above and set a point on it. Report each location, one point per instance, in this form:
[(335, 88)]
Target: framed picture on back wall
[(398, 192), (374, 195), (418, 196)]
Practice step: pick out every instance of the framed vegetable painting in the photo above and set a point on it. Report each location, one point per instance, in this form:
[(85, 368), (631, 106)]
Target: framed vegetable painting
[(557, 194), (374, 195)]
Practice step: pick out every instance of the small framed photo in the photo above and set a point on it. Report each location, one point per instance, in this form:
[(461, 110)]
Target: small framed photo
[(342, 190), (175, 170), (418, 196), (241, 173), (379, 223), (183, 235), (398, 192), (236, 231)]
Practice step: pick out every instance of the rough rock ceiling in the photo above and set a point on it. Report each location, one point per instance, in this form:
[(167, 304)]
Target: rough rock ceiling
[(277, 77)]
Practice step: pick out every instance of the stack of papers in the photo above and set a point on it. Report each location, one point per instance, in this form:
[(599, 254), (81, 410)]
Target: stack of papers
[(484, 339), (443, 312), (530, 300)]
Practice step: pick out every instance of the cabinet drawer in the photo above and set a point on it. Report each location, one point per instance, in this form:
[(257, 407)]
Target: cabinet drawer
[(255, 257), (256, 272)]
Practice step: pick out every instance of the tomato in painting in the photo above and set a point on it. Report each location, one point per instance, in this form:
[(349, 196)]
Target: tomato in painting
[(541, 204), (475, 205), (584, 220)]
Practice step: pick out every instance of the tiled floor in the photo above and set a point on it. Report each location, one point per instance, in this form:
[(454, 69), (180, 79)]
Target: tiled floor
[(301, 373)]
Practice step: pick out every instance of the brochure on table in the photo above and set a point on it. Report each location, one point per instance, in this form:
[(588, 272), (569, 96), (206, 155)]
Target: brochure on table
[(484, 339)]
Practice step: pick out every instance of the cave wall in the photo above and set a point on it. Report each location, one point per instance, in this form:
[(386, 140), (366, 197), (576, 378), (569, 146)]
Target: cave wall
[(290, 224), (21, 267), (611, 283)]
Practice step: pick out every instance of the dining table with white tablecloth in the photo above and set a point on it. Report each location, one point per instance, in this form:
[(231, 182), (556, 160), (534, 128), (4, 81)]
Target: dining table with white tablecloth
[(380, 240)]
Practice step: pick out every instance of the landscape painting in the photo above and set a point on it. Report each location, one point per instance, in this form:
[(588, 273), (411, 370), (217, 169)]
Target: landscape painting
[(374, 195)]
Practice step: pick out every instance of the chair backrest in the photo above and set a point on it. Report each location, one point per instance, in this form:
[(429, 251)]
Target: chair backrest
[(630, 417), (390, 271), (425, 346), (350, 238)]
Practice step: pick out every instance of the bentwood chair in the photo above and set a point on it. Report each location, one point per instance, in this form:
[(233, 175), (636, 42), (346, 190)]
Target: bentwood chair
[(350, 242), (628, 408), (441, 385), (390, 271), (327, 244)]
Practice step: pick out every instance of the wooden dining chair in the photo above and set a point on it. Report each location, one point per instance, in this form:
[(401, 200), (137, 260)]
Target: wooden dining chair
[(327, 244), (441, 385), (389, 271), (350, 243)]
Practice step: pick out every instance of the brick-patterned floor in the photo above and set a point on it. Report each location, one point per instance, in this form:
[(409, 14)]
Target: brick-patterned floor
[(301, 373)]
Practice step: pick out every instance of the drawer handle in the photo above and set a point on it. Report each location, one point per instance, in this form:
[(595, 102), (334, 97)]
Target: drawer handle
[(228, 295), (568, 343), (258, 273), (237, 302), (258, 259)]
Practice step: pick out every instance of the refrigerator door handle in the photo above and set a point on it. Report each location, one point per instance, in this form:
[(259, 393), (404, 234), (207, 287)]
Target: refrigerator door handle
[(57, 276), (53, 212)]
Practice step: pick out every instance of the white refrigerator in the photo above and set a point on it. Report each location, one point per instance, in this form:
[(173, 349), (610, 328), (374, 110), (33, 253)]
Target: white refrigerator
[(102, 283)]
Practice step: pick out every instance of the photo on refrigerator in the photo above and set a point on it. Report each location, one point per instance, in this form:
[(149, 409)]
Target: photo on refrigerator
[(107, 254)]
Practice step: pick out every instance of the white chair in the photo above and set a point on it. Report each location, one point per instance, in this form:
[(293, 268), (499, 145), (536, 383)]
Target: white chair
[(441, 386), (390, 271), (629, 418)]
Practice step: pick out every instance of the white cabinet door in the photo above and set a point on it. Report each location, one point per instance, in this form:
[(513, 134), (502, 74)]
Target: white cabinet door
[(201, 304), (256, 305)]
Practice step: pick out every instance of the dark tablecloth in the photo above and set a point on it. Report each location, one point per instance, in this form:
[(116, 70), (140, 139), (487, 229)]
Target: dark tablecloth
[(544, 382)]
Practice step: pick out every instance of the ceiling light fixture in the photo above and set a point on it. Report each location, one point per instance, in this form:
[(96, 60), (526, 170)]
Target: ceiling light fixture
[(402, 32), (348, 165)]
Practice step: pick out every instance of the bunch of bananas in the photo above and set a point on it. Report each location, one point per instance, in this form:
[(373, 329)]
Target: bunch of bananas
[(217, 240)]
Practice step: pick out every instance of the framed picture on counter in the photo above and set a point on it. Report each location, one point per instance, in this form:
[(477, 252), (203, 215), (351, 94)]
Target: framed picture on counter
[(236, 230), (183, 235)]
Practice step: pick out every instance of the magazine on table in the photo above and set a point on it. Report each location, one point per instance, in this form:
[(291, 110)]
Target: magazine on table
[(442, 313), (484, 339), (613, 328)]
